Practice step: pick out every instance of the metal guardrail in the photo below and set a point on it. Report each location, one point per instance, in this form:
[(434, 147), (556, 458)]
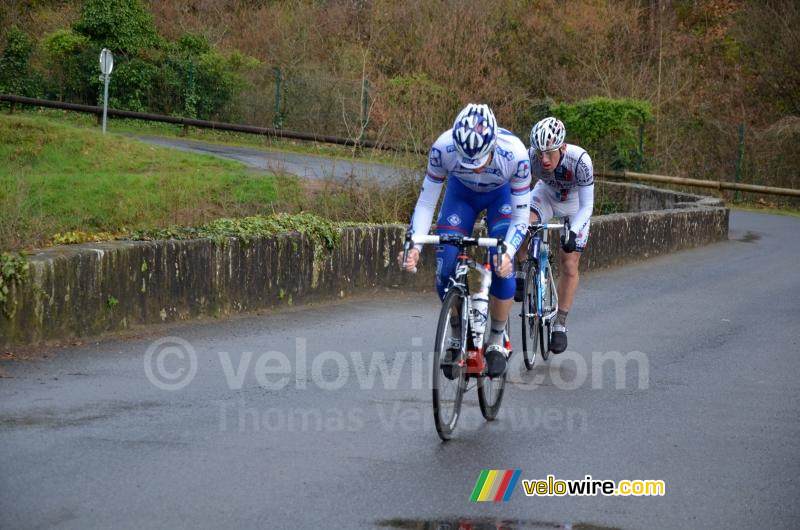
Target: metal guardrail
[(191, 122), (280, 133), (712, 184)]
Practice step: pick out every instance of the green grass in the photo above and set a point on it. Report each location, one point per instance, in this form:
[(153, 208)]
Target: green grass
[(59, 176), (117, 125)]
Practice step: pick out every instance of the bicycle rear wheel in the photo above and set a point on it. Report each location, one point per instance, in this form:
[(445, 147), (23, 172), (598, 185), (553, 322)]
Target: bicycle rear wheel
[(531, 334), (449, 363), (491, 390)]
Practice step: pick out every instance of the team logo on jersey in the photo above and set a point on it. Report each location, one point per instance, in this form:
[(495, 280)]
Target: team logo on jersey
[(454, 220), (568, 175), (584, 174), (435, 157), (505, 209), (523, 170), (451, 148), (516, 241), (503, 153)]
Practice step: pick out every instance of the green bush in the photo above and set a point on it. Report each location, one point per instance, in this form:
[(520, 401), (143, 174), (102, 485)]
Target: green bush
[(607, 128), (131, 85), (16, 75), (71, 65), (200, 80), (119, 25), (186, 78)]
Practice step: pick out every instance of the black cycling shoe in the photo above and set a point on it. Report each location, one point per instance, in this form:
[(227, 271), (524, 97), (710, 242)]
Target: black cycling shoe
[(558, 339), (496, 360)]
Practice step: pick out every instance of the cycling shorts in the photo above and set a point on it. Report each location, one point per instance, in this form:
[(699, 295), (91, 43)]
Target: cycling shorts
[(546, 202), (459, 211)]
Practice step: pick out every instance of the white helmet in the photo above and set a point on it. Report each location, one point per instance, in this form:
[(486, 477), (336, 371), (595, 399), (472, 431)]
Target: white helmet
[(548, 134), (475, 134)]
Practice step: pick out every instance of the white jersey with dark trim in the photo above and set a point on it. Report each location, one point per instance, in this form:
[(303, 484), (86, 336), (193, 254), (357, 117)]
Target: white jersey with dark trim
[(574, 170), (509, 163)]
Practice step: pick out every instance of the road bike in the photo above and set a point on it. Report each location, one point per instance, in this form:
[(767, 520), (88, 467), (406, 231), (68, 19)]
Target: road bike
[(458, 361), (539, 293)]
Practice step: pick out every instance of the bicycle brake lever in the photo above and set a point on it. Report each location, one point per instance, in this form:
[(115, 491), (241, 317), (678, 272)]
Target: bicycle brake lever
[(501, 246), (406, 247)]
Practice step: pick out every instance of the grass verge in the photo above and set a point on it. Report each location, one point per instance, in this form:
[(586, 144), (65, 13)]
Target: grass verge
[(117, 125), (57, 177)]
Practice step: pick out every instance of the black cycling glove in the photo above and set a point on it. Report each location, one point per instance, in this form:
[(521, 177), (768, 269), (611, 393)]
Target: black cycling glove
[(569, 244)]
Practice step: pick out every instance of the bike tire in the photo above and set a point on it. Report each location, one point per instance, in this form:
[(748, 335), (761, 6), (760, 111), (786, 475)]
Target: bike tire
[(548, 300), (449, 379), (491, 390), (530, 320)]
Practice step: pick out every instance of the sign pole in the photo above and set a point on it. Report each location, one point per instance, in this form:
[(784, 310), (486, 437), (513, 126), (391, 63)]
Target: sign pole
[(106, 65), (105, 101)]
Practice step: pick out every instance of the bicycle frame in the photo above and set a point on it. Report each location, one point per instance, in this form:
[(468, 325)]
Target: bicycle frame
[(539, 252), (475, 362)]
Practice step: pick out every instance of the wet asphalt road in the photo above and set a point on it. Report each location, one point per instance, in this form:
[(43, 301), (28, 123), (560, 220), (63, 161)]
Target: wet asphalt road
[(712, 409), (301, 165)]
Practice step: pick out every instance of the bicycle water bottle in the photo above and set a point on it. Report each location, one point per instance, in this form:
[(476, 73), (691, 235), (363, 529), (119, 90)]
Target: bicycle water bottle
[(535, 245), (480, 305)]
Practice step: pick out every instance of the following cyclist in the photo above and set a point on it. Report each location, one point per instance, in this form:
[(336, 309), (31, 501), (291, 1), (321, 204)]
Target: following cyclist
[(565, 187), (489, 170)]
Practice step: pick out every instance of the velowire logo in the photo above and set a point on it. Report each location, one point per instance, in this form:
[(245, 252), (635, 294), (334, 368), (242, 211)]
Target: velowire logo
[(495, 485)]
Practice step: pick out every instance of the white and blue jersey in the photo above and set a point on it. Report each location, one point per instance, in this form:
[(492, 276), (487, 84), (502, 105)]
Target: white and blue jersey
[(502, 188)]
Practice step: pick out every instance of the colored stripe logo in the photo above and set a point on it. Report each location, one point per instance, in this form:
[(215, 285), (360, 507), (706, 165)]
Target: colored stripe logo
[(495, 485)]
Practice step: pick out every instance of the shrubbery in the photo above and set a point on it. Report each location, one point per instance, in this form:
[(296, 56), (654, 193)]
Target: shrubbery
[(187, 77), (607, 128)]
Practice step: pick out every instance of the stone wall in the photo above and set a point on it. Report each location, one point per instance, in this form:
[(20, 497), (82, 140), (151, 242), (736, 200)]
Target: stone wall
[(86, 290)]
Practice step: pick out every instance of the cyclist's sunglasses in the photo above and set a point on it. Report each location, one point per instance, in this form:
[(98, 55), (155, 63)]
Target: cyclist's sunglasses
[(539, 152)]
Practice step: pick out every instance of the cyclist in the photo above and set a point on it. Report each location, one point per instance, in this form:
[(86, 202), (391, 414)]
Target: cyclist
[(489, 169), (565, 187)]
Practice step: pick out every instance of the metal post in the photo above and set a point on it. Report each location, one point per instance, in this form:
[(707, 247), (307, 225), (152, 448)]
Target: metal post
[(739, 162), (106, 66), (277, 120), (105, 101), (640, 161), (364, 110), (190, 103)]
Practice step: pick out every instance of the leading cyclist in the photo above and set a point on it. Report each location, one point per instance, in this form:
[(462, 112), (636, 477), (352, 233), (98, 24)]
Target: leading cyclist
[(489, 169), (565, 187)]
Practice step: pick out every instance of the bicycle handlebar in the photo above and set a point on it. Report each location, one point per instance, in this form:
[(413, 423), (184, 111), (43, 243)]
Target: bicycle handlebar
[(535, 227), (455, 239), (451, 239)]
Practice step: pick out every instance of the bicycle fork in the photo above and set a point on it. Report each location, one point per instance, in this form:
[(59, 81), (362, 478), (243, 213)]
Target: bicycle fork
[(548, 313)]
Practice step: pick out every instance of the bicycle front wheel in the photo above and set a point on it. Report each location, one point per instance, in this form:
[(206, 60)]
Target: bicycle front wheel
[(449, 363), (531, 323), (491, 390), (549, 298)]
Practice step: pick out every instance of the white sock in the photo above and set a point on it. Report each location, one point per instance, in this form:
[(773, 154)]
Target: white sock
[(497, 330)]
